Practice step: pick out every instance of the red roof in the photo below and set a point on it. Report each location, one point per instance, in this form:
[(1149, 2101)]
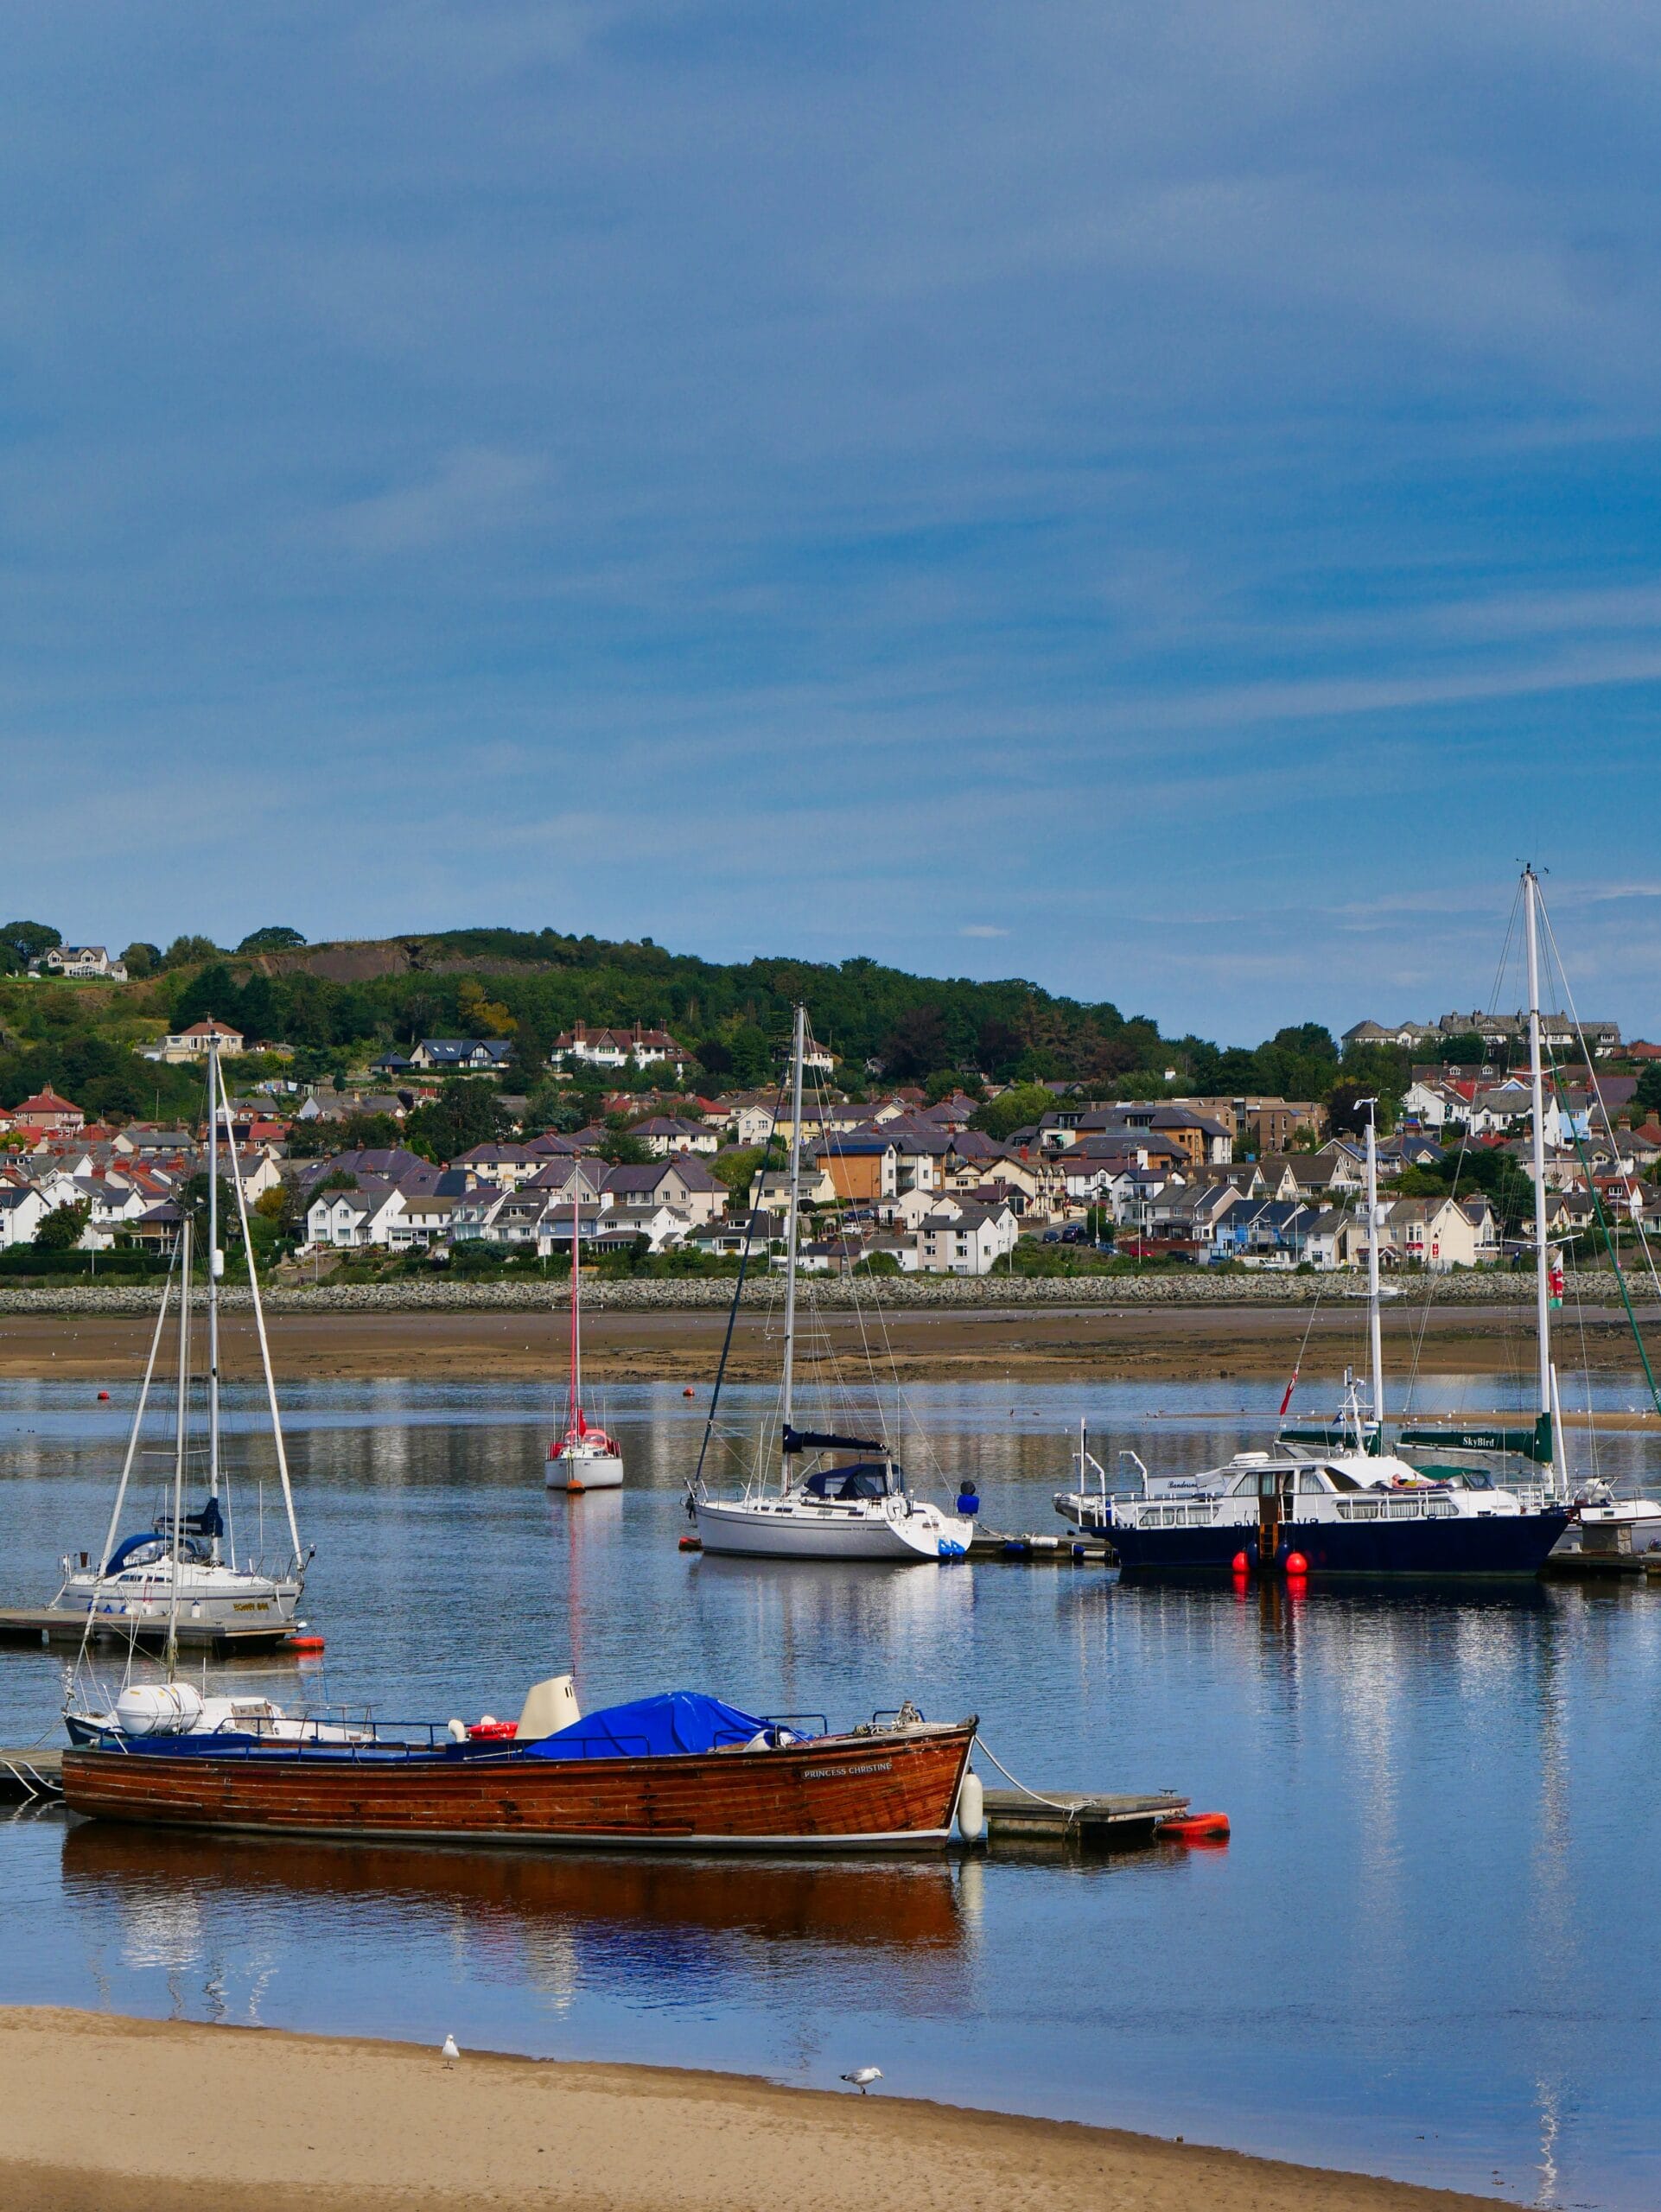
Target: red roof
[(46, 1102)]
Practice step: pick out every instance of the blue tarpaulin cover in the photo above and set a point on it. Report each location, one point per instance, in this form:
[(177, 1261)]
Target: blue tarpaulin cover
[(681, 1721)]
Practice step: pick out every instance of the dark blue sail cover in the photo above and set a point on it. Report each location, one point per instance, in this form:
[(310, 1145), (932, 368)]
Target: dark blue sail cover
[(651, 1727)]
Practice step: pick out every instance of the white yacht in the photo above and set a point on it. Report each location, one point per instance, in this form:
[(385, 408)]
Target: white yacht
[(822, 1503), (1324, 1501)]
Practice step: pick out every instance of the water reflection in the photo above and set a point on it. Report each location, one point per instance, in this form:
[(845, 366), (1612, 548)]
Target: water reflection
[(1426, 1951), (678, 1929)]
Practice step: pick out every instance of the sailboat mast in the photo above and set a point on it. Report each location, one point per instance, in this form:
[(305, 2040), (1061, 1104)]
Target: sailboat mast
[(182, 1416), (215, 1263), (1375, 1333), (574, 1416), (1537, 1148), (791, 1232)]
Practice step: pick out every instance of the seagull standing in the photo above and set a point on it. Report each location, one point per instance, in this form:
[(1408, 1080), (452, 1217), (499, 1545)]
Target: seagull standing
[(451, 2051), (862, 2076)]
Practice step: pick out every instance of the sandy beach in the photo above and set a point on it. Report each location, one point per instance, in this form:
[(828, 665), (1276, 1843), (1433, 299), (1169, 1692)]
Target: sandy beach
[(948, 1344), (104, 2115)]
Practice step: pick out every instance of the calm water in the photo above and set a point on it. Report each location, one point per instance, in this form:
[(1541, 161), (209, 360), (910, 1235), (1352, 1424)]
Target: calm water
[(1429, 1950)]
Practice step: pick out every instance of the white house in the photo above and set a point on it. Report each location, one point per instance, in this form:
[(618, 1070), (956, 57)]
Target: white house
[(347, 1220), (21, 1212), (959, 1240), (670, 1133), (84, 963), (682, 1183), (617, 1048), (191, 1044)]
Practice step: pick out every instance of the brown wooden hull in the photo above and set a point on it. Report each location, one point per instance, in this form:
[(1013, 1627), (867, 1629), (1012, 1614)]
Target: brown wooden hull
[(844, 1793)]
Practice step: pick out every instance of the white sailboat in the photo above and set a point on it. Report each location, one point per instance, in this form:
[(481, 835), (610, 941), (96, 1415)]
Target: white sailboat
[(179, 1575), (583, 1458), (823, 1504)]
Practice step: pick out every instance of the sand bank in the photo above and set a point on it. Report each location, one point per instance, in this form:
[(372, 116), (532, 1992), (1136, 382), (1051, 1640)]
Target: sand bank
[(100, 2114), (1060, 1345)]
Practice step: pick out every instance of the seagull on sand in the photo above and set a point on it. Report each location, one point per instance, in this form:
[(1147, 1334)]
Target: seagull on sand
[(451, 2052), (862, 2076)]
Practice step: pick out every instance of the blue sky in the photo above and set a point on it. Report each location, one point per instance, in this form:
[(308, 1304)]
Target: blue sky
[(1156, 499)]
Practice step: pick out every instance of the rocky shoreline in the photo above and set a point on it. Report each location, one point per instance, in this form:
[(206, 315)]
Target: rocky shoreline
[(902, 1293)]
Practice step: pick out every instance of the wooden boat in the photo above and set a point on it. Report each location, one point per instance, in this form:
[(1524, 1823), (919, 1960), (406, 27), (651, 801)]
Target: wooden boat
[(747, 1784)]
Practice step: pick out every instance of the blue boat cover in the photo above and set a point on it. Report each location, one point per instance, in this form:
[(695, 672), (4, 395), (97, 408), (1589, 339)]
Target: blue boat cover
[(682, 1721)]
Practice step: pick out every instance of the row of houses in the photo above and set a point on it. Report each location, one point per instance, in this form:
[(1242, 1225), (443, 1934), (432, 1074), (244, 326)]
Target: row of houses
[(1498, 1031)]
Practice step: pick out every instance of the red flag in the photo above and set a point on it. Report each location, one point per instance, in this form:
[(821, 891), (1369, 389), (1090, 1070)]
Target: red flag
[(1290, 1387)]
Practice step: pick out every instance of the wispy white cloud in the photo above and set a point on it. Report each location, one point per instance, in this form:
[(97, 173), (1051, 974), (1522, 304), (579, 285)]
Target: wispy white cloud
[(473, 490)]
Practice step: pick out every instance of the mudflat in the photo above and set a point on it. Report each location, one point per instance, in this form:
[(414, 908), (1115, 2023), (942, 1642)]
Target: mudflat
[(104, 2115), (944, 1344)]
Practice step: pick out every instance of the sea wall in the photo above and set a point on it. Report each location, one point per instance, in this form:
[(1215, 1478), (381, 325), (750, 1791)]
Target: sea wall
[(632, 1295)]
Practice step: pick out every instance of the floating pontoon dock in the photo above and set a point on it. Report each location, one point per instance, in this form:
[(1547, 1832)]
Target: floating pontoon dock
[(51, 1625), (1099, 1823)]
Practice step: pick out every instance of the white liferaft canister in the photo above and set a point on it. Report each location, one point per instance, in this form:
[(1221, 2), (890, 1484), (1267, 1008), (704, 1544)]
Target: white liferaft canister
[(971, 1808), (157, 1709)]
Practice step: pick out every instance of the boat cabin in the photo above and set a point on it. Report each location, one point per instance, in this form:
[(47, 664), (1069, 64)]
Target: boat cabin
[(864, 1478)]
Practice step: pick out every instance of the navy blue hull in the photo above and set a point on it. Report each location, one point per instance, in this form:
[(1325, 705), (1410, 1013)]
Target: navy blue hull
[(1513, 1544)]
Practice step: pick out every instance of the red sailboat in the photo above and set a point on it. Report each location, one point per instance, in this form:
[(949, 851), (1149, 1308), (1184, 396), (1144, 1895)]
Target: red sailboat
[(584, 1458)]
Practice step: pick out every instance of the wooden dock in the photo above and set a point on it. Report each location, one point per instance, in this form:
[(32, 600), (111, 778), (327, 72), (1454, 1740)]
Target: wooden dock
[(46, 1624), (1033, 1550), (1081, 1818), (31, 1774)]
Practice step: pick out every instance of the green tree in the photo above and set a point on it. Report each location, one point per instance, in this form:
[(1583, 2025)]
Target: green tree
[(1011, 1111), (141, 960), (185, 951), (1647, 1096), (22, 942), (736, 1169), (61, 1229), (466, 1112), (622, 1150), (275, 937), (192, 1201)]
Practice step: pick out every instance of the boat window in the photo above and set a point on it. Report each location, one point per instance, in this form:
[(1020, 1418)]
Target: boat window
[(866, 1478), (1340, 1480), (1312, 1480)]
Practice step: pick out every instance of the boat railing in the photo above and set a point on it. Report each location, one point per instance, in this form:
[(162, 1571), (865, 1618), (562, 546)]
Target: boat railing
[(1416, 1505), (798, 1722), (1183, 1513)]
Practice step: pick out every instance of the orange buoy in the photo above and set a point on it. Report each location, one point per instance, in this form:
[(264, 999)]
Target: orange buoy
[(103, 1397), (689, 1392), (304, 1644), (1242, 1564), (1196, 1827), (1296, 1563), (691, 1543)]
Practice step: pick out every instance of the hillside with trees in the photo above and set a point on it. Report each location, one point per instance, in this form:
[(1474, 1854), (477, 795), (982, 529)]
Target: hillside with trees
[(336, 1006)]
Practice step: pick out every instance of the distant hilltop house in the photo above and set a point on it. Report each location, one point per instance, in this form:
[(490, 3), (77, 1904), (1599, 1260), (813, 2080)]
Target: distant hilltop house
[(617, 1048), (191, 1044), (80, 963), (1556, 1030), (451, 1056)]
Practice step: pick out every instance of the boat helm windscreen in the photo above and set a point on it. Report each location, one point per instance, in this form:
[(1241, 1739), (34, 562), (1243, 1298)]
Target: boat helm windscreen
[(866, 1478)]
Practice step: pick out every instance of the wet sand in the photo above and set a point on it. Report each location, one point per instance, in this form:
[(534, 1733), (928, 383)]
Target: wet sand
[(103, 2115), (1030, 1344)]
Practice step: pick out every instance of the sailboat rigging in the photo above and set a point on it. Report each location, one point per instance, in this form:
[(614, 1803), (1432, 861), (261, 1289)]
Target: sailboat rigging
[(178, 1582), (821, 1507), (583, 1458)]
